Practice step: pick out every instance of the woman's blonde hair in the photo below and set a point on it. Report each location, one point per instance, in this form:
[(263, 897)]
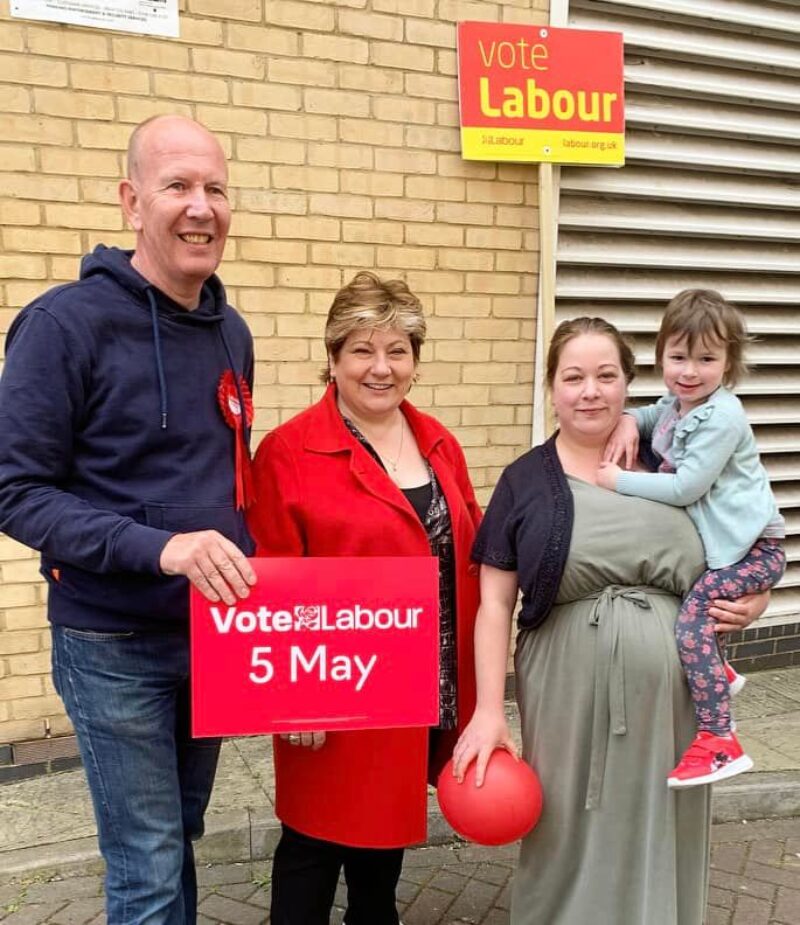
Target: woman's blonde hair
[(706, 316), (568, 330), (368, 301)]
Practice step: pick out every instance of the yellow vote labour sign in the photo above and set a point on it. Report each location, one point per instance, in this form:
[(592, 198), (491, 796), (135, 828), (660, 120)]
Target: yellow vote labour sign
[(532, 93)]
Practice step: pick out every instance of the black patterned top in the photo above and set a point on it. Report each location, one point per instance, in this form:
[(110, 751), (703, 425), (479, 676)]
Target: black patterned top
[(439, 529)]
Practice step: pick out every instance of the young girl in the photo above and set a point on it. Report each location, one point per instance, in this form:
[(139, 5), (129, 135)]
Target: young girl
[(710, 466)]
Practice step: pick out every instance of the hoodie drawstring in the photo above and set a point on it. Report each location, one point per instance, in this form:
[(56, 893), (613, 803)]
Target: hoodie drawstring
[(162, 381)]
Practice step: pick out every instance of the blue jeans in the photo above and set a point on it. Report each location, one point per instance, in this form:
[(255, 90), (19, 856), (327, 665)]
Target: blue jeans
[(127, 695)]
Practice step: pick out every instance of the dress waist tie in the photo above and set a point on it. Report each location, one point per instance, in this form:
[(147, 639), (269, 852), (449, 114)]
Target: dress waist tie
[(609, 677)]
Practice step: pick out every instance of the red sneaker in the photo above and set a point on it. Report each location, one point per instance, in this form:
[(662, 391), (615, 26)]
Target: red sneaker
[(736, 681), (708, 759)]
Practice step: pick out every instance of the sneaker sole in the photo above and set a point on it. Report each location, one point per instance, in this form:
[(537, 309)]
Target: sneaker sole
[(736, 686), (730, 770)]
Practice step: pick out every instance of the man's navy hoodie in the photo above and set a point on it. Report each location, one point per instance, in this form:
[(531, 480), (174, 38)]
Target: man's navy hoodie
[(112, 441)]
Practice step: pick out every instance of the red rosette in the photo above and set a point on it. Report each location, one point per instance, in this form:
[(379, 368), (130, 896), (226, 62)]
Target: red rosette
[(230, 406)]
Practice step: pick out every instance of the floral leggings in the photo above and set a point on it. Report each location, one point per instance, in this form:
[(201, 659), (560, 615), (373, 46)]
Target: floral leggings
[(700, 648)]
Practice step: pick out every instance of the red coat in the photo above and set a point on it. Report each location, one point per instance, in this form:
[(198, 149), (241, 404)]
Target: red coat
[(320, 493)]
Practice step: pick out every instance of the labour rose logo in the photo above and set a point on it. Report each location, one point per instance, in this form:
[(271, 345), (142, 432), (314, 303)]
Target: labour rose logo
[(306, 617)]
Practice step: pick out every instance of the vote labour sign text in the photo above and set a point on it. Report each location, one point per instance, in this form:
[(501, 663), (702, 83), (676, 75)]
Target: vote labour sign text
[(533, 93), (320, 644)]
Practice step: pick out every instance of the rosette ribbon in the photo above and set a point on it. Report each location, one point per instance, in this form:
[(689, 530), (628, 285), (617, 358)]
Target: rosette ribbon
[(230, 400)]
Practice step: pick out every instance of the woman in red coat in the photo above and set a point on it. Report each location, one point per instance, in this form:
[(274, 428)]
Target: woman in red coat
[(363, 473)]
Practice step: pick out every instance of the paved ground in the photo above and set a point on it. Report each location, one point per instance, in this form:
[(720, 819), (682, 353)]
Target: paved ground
[(755, 880)]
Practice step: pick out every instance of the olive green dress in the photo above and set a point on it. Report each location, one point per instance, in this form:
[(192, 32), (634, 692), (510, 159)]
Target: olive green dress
[(605, 716)]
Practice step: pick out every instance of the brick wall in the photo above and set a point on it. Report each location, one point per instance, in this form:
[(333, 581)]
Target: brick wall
[(340, 119)]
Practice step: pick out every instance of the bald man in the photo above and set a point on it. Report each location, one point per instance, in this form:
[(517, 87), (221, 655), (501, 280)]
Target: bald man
[(118, 408)]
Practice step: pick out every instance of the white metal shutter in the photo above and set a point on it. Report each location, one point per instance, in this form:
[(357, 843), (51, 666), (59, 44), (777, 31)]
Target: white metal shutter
[(710, 196)]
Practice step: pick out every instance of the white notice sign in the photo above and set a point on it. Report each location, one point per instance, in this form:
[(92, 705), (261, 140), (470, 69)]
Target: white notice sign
[(150, 17)]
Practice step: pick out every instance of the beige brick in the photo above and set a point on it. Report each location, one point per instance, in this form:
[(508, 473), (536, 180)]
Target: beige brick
[(20, 730), (452, 165), (278, 252), (292, 398), (301, 15), (423, 8), (248, 10), (263, 328), (482, 191), (298, 374), (284, 349), (13, 212), (137, 109), (470, 436), (32, 663), (493, 414), (270, 150), (11, 549), (191, 87), (315, 128), (246, 225), (456, 213), (110, 77), (400, 160), (71, 161), (352, 255), (283, 301), (517, 218), (458, 10), (318, 179), (515, 306), (37, 707), (436, 282), (489, 455), (60, 725), (502, 283), (490, 373), (230, 119), (462, 395), (336, 102), (522, 261), (524, 415), (369, 79), (101, 135), (15, 99), (405, 210), (314, 228), (397, 54), (228, 63), (16, 266), (272, 202), (12, 36), (372, 184), (267, 96), (66, 268), (298, 71), (74, 105), (19, 293), (411, 258), (511, 395), (247, 274), (400, 109), (100, 191), (27, 69), (343, 206), (20, 642), (201, 31), (463, 259), (35, 129), (431, 87), (435, 235), (447, 114), (492, 329), (356, 22), (351, 157), (520, 351), (436, 188), (433, 139), (370, 132), (530, 240), (161, 53), (463, 305), (336, 48), (438, 374), (310, 278), (526, 17), (430, 32), (18, 158), (248, 174), (367, 232), (42, 241), (121, 239), (266, 39), (24, 618), (15, 688)]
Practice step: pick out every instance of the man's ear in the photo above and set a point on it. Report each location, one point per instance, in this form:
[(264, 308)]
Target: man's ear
[(129, 199)]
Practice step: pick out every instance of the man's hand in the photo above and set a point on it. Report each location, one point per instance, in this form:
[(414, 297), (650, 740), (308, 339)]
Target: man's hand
[(607, 475), (214, 565), (623, 444), (312, 740)]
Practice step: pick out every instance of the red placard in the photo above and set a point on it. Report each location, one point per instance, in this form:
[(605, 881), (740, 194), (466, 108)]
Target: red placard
[(535, 93), (320, 644)]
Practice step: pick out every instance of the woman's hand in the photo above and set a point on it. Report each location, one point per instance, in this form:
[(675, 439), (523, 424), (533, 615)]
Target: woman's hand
[(486, 732), (623, 444), (739, 614), (312, 740)]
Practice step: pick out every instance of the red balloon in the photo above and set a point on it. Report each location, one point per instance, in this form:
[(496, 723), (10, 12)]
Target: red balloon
[(502, 810)]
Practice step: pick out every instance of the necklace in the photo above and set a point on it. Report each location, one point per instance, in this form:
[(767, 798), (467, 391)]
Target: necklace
[(394, 463)]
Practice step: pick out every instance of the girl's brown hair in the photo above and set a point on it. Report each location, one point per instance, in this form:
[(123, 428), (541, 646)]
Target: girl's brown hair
[(703, 315), (568, 330)]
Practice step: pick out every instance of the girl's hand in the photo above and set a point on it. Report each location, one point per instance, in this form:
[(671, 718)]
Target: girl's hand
[(739, 614), (486, 732), (623, 444), (607, 475), (312, 740)]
